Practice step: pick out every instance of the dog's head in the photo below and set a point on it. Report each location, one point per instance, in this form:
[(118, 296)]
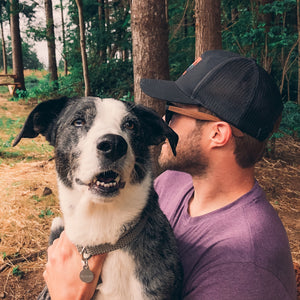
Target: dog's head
[(101, 145)]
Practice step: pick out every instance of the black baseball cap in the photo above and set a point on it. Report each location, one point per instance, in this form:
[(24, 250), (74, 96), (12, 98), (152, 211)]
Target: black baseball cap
[(233, 87)]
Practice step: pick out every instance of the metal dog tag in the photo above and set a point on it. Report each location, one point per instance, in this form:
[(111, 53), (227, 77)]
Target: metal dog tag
[(86, 275)]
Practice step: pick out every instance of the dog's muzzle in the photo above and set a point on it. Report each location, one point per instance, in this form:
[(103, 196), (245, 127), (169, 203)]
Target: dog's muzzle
[(108, 182)]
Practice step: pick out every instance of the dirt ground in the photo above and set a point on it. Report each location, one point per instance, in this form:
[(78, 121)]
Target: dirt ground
[(29, 202)]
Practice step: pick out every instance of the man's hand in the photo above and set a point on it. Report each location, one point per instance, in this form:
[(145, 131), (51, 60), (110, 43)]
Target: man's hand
[(63, 268)]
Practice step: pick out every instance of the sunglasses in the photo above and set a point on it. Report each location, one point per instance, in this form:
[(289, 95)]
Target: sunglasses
[(171, 110)]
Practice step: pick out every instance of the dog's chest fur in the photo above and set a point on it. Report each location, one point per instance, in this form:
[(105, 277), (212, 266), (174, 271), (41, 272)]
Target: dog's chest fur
[(119, 279), (105, 183)]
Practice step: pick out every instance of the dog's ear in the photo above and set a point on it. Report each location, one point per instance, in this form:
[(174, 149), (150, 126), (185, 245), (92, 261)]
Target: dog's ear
[(155, 128), (41, 120)]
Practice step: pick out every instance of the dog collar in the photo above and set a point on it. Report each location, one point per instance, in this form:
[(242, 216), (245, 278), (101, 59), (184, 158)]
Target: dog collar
[(86, 275), (126, 238)]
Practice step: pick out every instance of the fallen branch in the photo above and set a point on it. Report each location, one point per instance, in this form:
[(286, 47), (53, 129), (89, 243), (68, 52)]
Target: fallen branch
[(14, 261)]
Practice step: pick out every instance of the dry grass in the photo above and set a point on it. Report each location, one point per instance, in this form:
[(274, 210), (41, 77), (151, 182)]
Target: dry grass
[(25, 214), (37, 73), (24, 223), (280, 179)]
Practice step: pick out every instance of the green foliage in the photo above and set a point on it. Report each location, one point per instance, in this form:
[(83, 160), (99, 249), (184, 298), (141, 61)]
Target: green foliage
[(36, 198), (46, 213), (7, 143), (278, 7), (181, 36), (265, 32), (18, 272), (111, 79), (9, 125), (30, 59), (128, 97), (9, 129), (43, 89), (290, 123), (3, 89)]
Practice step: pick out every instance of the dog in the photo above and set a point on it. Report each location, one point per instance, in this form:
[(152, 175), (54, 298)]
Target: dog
[(106, 193)]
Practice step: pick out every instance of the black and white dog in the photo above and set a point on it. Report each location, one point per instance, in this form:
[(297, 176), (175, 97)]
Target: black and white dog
[(106, 195)]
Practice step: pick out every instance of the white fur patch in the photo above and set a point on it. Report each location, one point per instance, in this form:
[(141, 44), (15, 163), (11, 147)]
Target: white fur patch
[(119, 265), (57, 223)]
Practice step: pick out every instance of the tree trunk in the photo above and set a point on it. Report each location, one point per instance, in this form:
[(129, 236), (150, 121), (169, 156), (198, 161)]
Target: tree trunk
[(207, 26), (149, 47), (150, 54), (50, 36), (17, 58), (298, 26), (63, 38), (107, 35), (266, 18), (103, 43), (286, 65), (87, 90), (4, 57)]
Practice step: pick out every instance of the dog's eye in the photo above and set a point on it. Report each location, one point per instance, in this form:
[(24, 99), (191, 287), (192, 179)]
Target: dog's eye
[(129, 125), (79, 123)]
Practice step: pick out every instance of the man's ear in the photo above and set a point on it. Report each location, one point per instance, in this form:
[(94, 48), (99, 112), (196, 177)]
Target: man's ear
[(155, 128), (41, 120), (220, 133)]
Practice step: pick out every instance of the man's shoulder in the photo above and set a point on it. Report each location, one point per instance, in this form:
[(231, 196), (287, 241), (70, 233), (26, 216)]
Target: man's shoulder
[(171, 179)]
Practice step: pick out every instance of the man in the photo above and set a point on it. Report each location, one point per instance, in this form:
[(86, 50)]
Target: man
[(231, 241)]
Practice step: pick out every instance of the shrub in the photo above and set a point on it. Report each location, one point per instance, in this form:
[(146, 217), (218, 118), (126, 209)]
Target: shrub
[(44, 89), (112, 79), (290, 123)]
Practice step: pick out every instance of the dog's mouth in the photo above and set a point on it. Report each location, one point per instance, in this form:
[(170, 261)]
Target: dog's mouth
[(105, 183)]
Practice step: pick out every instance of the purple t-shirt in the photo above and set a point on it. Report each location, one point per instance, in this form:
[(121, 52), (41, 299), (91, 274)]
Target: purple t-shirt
[(240, 251)]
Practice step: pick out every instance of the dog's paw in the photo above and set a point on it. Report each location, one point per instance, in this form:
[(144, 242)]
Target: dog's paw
[(57, 228)]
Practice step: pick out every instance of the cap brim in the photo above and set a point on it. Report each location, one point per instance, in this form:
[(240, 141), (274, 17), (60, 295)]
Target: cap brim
[(164, 90)]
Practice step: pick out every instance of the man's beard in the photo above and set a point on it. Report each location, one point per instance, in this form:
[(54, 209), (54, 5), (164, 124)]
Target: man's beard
[(189, 158)]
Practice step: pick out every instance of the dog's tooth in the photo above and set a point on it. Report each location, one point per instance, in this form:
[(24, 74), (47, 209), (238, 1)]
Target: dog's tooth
[(98, 183), (118, 178)]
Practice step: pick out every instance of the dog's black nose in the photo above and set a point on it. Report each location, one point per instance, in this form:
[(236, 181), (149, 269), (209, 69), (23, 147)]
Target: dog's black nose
[(112, 146)]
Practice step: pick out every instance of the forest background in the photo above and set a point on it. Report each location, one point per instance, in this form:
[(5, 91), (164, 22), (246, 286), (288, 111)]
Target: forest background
[(266, 30)]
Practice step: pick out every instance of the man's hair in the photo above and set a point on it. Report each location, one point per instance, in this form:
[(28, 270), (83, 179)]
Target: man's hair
[(248, 150)]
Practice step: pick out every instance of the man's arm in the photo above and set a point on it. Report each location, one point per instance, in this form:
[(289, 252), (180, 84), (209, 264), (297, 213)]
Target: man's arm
[(63, 268)]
